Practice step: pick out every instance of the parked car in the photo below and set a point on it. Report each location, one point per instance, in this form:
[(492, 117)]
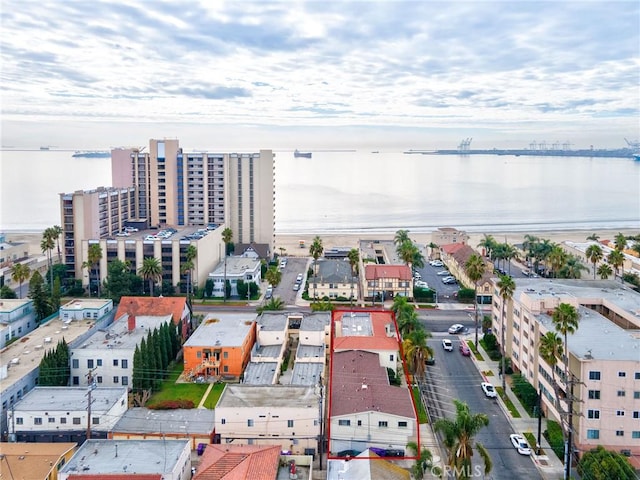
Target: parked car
[(299, 278), (436, 263), (417, 276), (268, 293), (464, 349), (283, 263), (489, 390), (348, 453), (449, 280), (444, 273), (456, 328), (447, 345), (520, 444), (421, 284), (296, 287)]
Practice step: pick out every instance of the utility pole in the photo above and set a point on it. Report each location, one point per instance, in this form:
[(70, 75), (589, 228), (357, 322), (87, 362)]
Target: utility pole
[(539, 419), (90, 387), (320, 418), (568, 454)]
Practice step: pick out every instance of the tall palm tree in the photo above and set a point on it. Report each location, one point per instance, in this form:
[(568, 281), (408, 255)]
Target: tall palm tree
[(227, 236), (416, 351), (407, 251), (315, 250), (56, 233), (274, 304), (557, 258), (620, 241), (488, 243), (151, 270), (401, 237), (406, 316), (185, 269), (190, 254), (594, 255), (273, 276), (475, 269), (425, 457), (550, 349), (616, 259), (506, 287), (459, 436), (509, 253), (566, 319), (572, 268), (47, 244), (354, 260), (594, 236), (19, 273), (604, 270), (94, 255)]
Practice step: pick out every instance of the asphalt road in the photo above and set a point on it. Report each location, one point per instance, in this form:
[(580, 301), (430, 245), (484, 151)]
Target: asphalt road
[(456, 376)]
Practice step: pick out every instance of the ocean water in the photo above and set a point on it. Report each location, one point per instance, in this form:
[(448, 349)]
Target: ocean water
[(361, 191)]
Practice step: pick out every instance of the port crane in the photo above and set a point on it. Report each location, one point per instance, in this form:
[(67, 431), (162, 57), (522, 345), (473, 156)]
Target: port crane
[(464, 145)]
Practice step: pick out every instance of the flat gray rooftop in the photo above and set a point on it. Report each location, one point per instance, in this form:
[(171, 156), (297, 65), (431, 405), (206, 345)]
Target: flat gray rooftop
[(230, 329), (260, 373), (270, 351), (124, 457), (255, 396), (306, 373), (315, 322), (70, 399), (8, 305), (273, 322), (187, 421), (236, 266), (356, 324), (25, 355), (311, 351), (118, 336)]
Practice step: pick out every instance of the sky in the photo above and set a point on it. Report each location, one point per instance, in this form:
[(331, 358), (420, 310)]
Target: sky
[(320, 74)]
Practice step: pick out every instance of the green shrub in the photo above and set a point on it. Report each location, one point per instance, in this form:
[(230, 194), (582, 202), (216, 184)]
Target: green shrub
[(466, 295), (490, 342), (553, 434), (171, 404), (525, 392)]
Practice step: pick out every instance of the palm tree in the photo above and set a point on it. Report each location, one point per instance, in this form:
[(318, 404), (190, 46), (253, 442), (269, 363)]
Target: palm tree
[(151, 270), (572, 268), (509, 253), (620, 242), (407, 251), (186, 268), (406, 316), (616, 259), (190, 255), (274, 304), (94, 255), (416, 351), (594, 255), (459, 436), (475, 269), (354, 260), (47, 244), (227, 236), (507, 287), (315, 250), (56, 233), (401, 237), (557, 258), (423, 462), (604, 270), (566, 319), (550, 349), (19, 273), (273, 276), (488, 243), (594, 236)]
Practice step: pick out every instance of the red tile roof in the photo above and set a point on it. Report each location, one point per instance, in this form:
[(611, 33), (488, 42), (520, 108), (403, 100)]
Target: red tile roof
[(116, 476), (378, 341), (451, 248), (239, 462), (360, 384), (375, 272), (152, 306)]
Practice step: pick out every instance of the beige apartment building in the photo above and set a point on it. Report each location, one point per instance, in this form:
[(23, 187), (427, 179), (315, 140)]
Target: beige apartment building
[(603, 356)]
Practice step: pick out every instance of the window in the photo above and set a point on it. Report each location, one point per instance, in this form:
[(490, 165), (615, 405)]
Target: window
[(99, 362), (225, 368), (637, 376), (223, 421), (225, 354), (125, 380), (90, 363), (402, 424), (99, 379), (636, 414), (594, 394), (76, 380), (621, 393), (619, 433), (116, 379), (635, 434), (75, 363), (289, 423), (19, 420), (594, 375), (63, 420), (52, 420), (383, 424), (95, 420), (115, 362), (619, 413), (636, 395), (37, 421), (344, 423), (593, 414), (622, 374), (250, 423), (76, 420), (124, 363), (359, 423), (391, 358), (593, 434)]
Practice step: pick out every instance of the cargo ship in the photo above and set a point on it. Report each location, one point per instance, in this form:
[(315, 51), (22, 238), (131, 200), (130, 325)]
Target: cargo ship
[(299, 154)]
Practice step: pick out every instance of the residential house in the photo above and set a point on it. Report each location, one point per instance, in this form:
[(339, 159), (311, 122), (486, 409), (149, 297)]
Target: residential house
[(371, 331), (247, 269), (196, 424), (85, 308), (17, 318), (314, 339), (283, 415), (23, 461), (59, 414), (130, 459), (255, 462), (220, 347), (334, 279), (177, 307), (365, 466), (448, 235), (603, 356), (364, 409), (455, 257), (384, 282), (261, 251), (269, 350), (106, 357)]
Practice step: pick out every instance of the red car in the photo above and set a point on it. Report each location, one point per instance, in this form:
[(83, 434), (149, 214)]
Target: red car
[(464, 349)]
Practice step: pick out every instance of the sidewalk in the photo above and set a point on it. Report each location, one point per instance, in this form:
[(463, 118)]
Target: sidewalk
[(549, 465)]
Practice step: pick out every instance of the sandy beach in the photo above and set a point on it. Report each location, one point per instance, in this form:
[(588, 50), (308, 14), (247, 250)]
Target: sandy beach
[(291, 242)]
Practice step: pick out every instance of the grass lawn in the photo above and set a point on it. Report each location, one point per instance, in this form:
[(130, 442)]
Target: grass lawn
[(174, 391), (422, 414), (507, 401), (214, 396), (472, 347)]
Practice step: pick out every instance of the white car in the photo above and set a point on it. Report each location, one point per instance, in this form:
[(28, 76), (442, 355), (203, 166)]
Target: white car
[(447, 345), (299, 278), (456, 328), (443, 273), (436, 263), (520, 444), (417, 276), (421, 284), (489, 390)]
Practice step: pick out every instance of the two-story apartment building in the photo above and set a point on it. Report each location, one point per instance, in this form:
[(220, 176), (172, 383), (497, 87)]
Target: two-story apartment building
[(603, 356), (455, 257), (247, 269), (54, 414), (334, 279), (17, 318), (384, 282)]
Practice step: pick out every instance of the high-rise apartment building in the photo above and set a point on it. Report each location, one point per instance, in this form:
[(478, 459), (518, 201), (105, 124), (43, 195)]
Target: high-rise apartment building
[(177, 188)]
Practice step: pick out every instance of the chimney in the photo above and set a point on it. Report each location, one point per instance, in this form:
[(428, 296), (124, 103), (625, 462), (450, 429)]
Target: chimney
[(132, 323)]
